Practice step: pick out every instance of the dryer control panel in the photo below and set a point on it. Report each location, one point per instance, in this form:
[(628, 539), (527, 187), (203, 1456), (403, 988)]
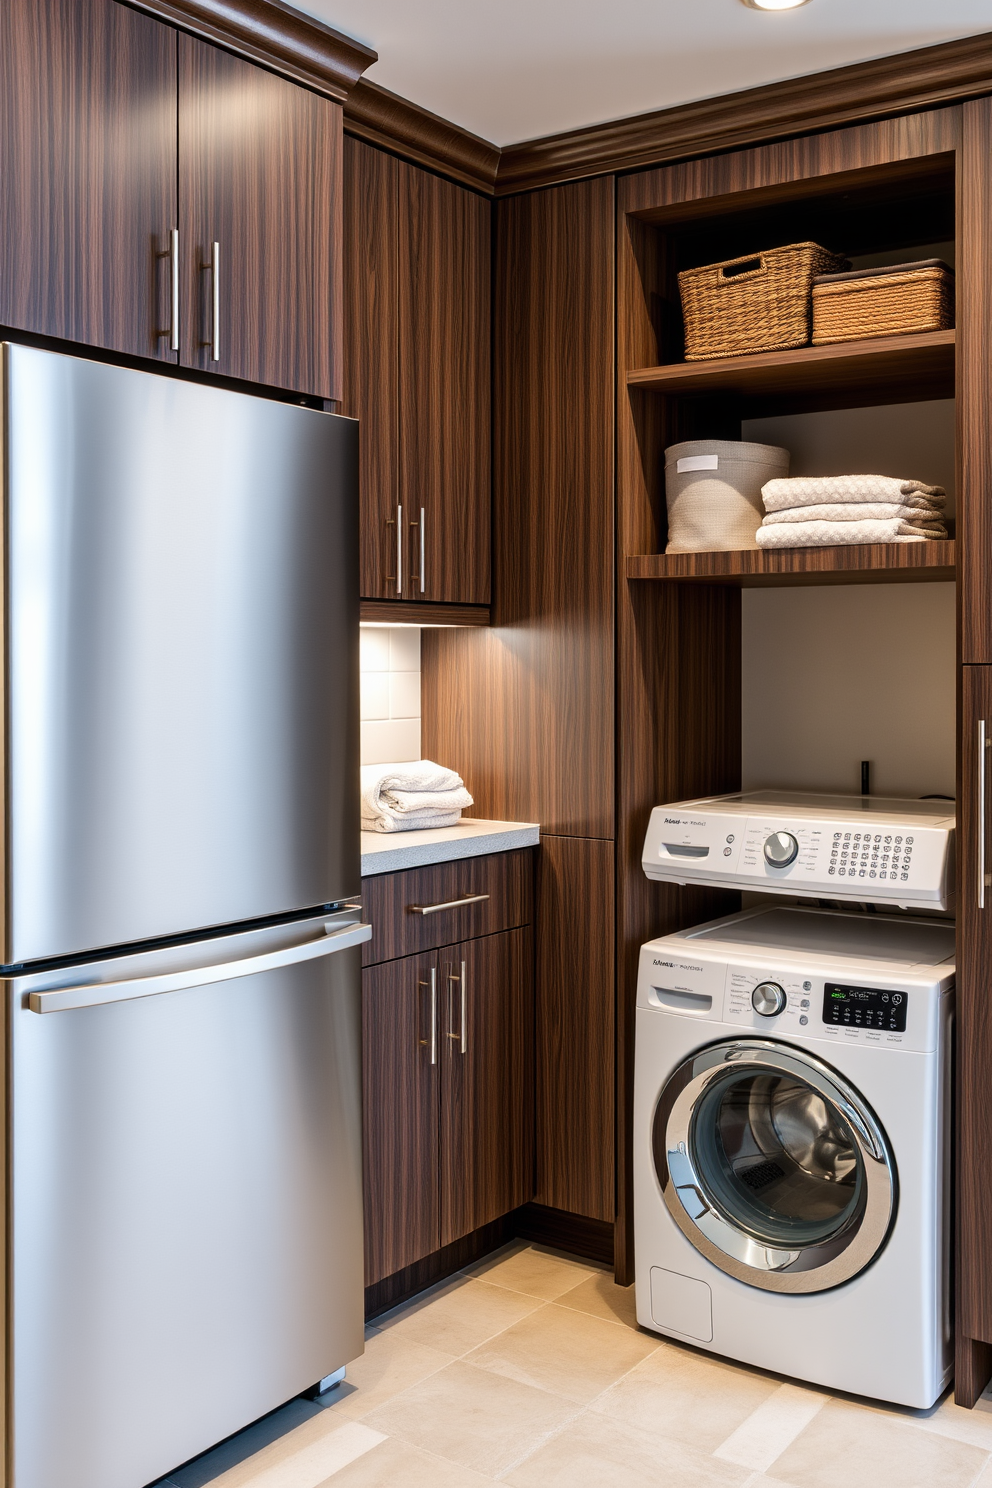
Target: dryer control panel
[(865, 849)]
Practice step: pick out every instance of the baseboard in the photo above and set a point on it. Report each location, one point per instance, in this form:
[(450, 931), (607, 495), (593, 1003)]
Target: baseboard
[(592, 1239)]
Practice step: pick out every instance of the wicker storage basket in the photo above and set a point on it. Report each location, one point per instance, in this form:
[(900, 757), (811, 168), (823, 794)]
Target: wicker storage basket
[(891, 301), (758, 303), (713, 491)]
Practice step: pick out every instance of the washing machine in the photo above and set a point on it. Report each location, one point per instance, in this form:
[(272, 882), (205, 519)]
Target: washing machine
[(791, 1140)]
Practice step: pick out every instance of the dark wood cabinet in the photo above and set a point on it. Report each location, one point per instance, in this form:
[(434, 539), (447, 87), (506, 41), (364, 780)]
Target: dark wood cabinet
[(974, 381), (402, 1088), (416, 373), (259, 176), (88, 191)]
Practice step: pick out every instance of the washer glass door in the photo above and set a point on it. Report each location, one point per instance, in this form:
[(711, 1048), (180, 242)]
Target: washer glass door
[(773, 1166)]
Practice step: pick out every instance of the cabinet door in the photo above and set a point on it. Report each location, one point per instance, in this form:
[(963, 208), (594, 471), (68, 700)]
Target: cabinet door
[(487, 1141), (87, 173), (371, 361), (260, 176), (444, 437), (402, 1036), (974, 1026), (974, 381)]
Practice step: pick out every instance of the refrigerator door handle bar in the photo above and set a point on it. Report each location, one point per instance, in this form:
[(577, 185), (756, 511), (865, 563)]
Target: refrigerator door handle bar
[(96, 994)]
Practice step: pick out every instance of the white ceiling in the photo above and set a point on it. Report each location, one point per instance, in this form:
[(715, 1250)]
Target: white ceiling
[(522, 68)]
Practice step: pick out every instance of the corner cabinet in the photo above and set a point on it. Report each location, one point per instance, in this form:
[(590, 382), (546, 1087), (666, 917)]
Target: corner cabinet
[(109, 213), (417, 375), (448, 1057)]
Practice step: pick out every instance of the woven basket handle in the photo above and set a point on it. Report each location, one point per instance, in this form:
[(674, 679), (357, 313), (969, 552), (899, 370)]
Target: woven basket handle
[(754, 265)]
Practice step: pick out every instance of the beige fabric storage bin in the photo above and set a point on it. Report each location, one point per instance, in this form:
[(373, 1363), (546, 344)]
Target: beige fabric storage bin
[(713, 491)]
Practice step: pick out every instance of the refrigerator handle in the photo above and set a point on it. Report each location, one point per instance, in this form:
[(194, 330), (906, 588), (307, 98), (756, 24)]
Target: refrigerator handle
[(96, 994)]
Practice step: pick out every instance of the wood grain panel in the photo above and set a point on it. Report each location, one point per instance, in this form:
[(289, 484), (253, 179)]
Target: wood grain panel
[(401, 1096), (575, 1026), (416, 612), (526, 709), (444, 369), (974, 1031), (974, 289), (506, 877), (371, 352), (260, 172), (487, 1112), (87, 173), (754, 568), (394, 123), (903, 84)]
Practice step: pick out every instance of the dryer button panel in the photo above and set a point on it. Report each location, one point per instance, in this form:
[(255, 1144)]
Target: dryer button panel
[(864, 1007)]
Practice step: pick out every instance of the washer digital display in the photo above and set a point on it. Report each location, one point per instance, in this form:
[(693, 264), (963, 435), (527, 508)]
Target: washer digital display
[(864, 1007)]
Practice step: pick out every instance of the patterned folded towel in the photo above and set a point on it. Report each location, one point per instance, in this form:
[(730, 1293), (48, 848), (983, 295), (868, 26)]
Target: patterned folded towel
[(857, 511), (837, 534), (405, 797), (817, 490)]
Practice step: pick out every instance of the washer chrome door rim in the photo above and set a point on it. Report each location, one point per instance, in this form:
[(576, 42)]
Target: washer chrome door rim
[(702, 1219)]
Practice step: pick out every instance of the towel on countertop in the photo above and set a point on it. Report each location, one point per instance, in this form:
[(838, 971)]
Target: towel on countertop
[(819, 490), (409, 797), (839, 534), (857, 511)]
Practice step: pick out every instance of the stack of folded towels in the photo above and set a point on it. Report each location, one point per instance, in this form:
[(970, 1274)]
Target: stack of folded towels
[(825, 510), (403, 798)]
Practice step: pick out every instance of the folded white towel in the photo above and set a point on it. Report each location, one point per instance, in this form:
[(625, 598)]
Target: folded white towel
[(405, 797), (815, 490), (856, 511), (838, 534)]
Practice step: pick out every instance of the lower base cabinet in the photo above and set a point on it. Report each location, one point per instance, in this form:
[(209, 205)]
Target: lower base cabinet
[(448, 1091)]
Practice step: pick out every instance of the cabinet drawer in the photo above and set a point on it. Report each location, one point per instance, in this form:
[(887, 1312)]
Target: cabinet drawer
[(393, 903)]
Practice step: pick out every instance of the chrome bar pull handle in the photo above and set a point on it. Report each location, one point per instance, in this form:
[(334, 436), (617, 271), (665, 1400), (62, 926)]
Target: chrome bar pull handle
[(399, 548), (174, 275), (426, 909), (983, 744), (215, 294), (423, 552), (461, 1037), (464, 1023), (433, 1015)]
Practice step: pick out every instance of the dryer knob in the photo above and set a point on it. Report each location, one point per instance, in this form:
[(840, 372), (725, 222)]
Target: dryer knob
[(781, 849), (768, 999)]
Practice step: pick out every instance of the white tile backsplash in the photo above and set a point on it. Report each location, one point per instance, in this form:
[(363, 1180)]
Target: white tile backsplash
[(390, 673)]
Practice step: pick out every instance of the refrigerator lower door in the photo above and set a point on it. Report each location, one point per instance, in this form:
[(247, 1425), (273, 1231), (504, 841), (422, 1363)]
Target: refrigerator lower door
[(185, 1197), (182, 656)]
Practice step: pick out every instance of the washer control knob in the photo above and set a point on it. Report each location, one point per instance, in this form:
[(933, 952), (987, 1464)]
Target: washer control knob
[(768, 999), (781, 849)]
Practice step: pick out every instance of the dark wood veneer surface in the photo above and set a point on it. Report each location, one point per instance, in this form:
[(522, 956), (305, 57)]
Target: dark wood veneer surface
[(755, 568), (507, 877), (260, 172), (416, 612), (974, 403), (87, 173), (385, 119)]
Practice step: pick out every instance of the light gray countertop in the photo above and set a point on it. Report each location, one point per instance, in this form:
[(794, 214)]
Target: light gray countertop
[(385, 852)]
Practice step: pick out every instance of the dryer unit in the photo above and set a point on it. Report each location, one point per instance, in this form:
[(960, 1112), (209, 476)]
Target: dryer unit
[(791, 1141), (885, 851)]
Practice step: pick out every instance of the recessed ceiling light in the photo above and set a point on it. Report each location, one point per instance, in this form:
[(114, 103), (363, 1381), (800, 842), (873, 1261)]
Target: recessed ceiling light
[(774, 4)]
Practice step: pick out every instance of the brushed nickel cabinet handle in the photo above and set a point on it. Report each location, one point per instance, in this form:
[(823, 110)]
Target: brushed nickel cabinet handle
[(464, 1023), (426, 909), (399, 547), (215, 292), (461, 1037), (423, 551), (174, 273), (433, 1015), (983, 744)]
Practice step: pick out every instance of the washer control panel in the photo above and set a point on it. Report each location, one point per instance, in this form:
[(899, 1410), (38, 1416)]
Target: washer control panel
[(864, 1007)]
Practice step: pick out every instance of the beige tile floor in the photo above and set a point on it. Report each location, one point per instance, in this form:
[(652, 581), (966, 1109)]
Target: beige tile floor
[(529, 1369)]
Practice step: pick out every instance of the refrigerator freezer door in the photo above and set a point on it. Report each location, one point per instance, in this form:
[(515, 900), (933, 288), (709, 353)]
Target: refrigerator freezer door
[(186, 1184), (182, 612)]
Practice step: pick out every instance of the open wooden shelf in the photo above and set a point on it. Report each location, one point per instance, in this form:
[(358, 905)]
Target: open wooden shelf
[(888, 369), (755, 568)]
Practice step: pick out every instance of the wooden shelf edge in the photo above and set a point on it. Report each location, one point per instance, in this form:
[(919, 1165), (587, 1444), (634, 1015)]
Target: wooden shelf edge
[(415, 612), (760, 369), (753, 568)]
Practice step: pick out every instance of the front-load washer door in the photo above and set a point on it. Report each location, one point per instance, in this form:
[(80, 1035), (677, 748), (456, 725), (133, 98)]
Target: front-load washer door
[(773, 1166)]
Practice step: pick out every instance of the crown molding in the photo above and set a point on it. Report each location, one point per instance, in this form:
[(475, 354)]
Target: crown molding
[(382, 118), (274, 34), (904, 83)]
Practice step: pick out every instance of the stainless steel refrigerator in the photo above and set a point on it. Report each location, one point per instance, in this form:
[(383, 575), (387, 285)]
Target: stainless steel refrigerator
[(181, 943)]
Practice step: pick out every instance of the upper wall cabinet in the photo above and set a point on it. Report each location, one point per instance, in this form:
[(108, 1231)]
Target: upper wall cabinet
[(417, 375), (87, 173), (259, 183), (95, 181)]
